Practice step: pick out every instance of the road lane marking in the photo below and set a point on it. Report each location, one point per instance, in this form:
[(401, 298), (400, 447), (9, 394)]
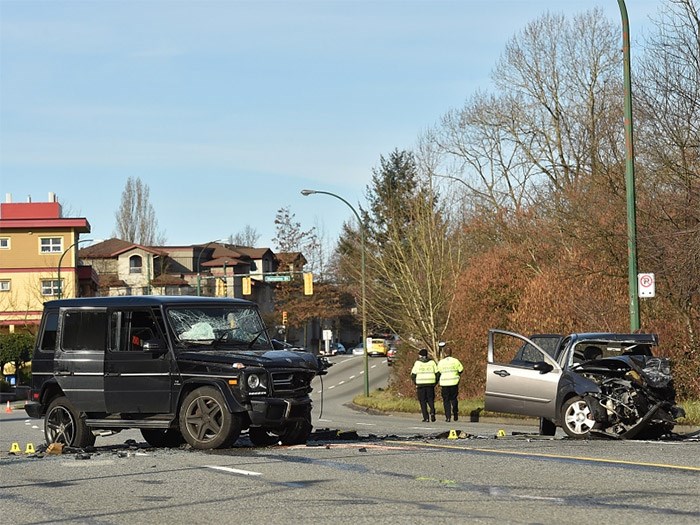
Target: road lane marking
[(234, 470), (553, 456), (367, 424)]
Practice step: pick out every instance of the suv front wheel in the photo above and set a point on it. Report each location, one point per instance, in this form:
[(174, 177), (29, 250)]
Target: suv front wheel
[(205, 421), (64, 424)]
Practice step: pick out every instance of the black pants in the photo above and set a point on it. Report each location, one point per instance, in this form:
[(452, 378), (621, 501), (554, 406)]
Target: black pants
[(426, 398), (449, 400)]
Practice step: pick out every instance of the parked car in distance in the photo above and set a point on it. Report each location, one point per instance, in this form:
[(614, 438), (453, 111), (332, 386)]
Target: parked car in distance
[(358, 349), (334, 349), (391, 355), (588, 384)]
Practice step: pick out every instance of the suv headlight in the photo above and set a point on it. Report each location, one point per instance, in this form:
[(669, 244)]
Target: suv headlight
[(256, 384)]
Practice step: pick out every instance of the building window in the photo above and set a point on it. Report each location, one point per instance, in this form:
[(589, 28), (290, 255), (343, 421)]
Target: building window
[(4, 286), (51, 244), (4, 243), (135, 264), (49, 287)]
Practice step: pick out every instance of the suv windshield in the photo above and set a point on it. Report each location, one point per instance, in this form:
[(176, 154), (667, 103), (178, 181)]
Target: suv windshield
[(211, 327)]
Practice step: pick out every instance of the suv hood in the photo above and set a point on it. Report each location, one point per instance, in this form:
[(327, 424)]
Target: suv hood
[(267, 359)]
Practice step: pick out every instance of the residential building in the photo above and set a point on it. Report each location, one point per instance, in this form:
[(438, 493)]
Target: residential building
[(38, 259)]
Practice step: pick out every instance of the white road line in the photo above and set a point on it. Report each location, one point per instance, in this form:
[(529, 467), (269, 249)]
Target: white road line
[(331, 387), (234, 470), (367, 424), (352, 377), (341, 383)]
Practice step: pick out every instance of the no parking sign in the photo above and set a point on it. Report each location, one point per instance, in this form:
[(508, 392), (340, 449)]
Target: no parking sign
[(646, 284)]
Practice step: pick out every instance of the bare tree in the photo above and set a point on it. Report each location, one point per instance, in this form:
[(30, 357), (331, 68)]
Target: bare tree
[(248, 236), (136, 218)]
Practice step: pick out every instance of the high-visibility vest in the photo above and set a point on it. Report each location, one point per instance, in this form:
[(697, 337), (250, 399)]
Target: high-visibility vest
[(449, 369), (425, 372)]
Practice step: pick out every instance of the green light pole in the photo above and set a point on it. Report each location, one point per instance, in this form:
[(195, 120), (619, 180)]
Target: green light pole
[(362, 278), (60, 261), (629, 174)]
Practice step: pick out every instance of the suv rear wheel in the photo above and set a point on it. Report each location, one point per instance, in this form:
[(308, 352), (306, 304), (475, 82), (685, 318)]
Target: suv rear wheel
[(205, 421), (64, 424)]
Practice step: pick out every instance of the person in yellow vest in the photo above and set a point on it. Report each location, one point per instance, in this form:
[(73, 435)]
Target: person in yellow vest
[(425, 375), (450, 370)]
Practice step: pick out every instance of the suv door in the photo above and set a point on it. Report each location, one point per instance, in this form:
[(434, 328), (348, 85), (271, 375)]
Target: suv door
[(520, 386), (137, 364), (79, 359)]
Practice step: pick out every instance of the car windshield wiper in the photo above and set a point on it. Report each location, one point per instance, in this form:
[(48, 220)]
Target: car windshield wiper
[(252, 342)]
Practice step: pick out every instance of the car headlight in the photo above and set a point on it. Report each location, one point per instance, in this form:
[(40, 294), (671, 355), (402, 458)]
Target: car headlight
[(256, 384), (254, 381)]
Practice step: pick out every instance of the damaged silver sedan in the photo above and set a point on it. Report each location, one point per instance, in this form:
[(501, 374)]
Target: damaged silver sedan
[(604, 384)]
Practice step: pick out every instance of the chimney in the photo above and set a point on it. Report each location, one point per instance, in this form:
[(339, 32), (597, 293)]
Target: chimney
[(52, 197), (8, 198)]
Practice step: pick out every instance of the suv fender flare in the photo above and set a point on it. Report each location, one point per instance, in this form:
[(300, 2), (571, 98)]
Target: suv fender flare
[(232, 403)]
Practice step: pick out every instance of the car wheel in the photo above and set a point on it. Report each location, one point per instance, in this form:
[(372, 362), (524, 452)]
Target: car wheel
[(296, 433), (547, 427), (64, 424), (162, 438), (205, 421), (577, 419)]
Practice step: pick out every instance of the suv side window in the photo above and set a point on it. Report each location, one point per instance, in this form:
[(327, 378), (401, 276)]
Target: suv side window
[(48, 338), (130, 329), (84, 330)]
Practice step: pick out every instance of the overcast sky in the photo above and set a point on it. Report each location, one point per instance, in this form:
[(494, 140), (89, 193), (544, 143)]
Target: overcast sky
[(227, 109)]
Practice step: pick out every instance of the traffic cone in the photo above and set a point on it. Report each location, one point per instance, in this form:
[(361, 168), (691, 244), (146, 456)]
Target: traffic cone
[(14, 449), (29, 449), (8, 409)]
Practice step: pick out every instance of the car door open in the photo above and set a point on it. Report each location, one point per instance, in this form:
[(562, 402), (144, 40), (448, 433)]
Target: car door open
[(519, 382)]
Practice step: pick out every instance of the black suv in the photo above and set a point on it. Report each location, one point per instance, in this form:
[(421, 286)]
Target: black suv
[(191, 369)]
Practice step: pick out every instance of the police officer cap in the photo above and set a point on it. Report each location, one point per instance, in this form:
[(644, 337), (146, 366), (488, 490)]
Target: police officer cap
[(423, 352)]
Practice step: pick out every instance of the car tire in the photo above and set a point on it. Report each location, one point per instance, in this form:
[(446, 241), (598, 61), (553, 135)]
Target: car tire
[(163, 438), (205, 421), (64, 424), (576, 418)]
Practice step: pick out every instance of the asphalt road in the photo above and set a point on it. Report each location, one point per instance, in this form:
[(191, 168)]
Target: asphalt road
[(398, 470)]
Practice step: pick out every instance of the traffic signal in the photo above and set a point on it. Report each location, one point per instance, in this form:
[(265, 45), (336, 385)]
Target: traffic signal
[(308, 283), (284, 318), (246, 286)]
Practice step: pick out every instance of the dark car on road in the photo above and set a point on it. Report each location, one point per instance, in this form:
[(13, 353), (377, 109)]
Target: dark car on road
[(587, 384), (181, 369)]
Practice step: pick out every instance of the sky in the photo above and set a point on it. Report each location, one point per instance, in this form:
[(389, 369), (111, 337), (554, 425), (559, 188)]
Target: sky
[(228, 109)]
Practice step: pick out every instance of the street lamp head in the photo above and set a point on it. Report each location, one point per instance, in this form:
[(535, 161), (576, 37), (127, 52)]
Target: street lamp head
[(306, 193)]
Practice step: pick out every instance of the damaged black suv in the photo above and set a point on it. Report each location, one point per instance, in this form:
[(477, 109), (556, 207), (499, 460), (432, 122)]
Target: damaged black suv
[(181, 369)]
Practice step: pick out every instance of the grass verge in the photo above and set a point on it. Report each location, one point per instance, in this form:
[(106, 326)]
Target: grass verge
[(384, 401)]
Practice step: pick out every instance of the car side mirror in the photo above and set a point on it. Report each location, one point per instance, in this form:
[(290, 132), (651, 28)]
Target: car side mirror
[(154, 346), (543, 367)]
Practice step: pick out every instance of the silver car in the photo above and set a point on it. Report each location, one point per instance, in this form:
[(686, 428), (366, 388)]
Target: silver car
[(587, 384)]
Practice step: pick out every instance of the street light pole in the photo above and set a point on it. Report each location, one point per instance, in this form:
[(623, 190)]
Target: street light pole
[(362, 278), (199, 268), (60, 261), (629, 174)]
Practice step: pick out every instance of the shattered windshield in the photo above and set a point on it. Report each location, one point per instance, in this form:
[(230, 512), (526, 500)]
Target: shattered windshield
[(218, 326)]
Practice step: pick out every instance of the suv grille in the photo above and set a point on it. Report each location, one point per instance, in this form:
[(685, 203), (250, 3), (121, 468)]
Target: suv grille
[(291, 383)]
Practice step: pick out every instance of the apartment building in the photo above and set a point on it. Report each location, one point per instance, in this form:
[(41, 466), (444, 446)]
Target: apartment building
[(38, 259)]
